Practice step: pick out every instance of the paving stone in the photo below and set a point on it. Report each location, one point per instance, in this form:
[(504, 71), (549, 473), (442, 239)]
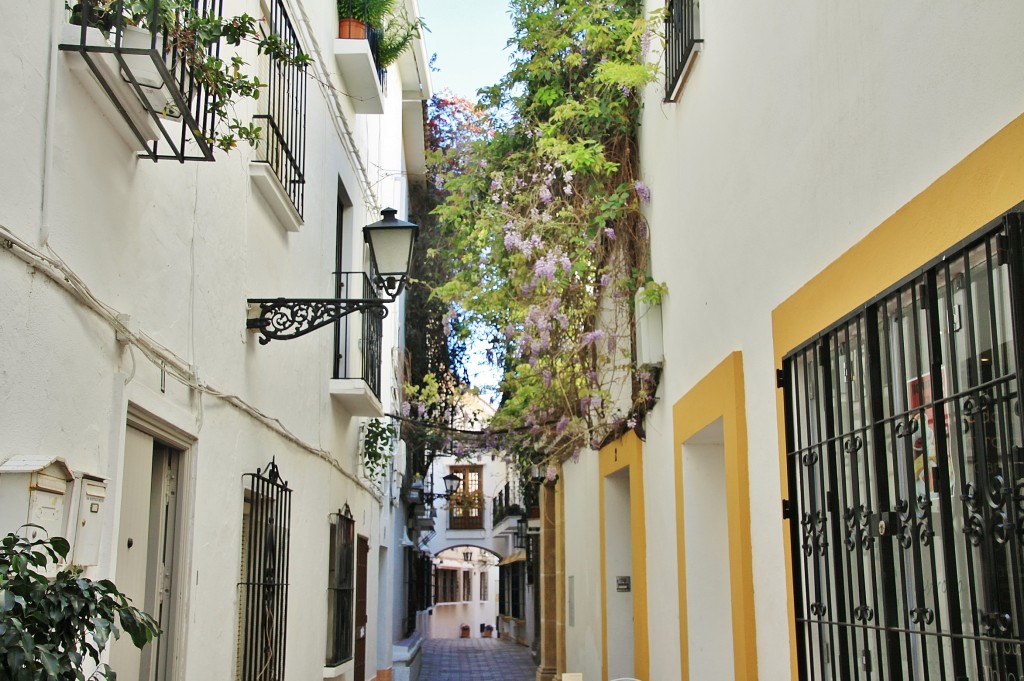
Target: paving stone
[(476, 659)]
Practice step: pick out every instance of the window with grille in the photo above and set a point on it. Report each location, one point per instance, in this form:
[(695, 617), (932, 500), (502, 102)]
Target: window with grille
[(467, 585), (281, 107), (483, 585), (906, 476), (340, 585), (446, 585), (466, 506), (682, 42), (263, 592)]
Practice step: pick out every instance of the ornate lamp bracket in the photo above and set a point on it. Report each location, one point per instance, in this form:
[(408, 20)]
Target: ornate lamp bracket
[(287, 318)]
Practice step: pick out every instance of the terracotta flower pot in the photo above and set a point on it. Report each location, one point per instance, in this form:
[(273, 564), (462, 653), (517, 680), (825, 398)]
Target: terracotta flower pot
[(351, 28)]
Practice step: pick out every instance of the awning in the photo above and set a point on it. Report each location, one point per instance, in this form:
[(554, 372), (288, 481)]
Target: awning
[(514, 557)]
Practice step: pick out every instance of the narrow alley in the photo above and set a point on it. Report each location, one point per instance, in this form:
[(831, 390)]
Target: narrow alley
[(476, 659)]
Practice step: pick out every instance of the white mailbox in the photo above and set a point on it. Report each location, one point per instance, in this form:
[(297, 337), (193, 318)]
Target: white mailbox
[(89, 527), (35, 489)]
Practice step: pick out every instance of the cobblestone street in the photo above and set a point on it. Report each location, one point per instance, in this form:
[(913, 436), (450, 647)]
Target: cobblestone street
[(476, 659)]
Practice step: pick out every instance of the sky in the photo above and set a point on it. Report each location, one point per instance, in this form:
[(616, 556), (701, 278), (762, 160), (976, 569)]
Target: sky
[(468, 37)]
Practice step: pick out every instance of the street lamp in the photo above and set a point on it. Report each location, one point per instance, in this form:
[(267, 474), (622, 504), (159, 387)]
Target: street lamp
[(417, 495), (391, 243)]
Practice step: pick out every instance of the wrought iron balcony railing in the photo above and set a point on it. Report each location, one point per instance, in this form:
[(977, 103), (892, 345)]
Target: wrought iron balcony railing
[(681, 43), (140, 69), (370, 327), (282, 112)]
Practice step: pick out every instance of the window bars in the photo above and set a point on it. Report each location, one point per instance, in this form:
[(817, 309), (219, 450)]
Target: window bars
[(142, 72), (264, 593), (906, 476), (340, 585), (681, 44), (282, 111), (371, 326)]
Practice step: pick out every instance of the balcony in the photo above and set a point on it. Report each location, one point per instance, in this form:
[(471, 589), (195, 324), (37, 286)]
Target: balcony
[(137, 76), (359, 65), (510, 504), (355, 381)]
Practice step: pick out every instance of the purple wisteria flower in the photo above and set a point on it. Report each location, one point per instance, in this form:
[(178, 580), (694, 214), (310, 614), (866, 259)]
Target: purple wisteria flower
[(606, 280), (546, 374), (551, 474), (406, 408), (645, 43), (545, 195), (631, 423), (421, 409), (642, 191), (545, 268), (562, 424), (610, 233), (592, 337)]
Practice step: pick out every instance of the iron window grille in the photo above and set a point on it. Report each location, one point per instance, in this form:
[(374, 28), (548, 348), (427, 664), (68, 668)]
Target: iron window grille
[(446, 583), (264, 591), (483, 585), (681, 44), (465, 509), (282, 110), (167, 109), (371, 326), (906, 475), (340, 586), (467, 585)]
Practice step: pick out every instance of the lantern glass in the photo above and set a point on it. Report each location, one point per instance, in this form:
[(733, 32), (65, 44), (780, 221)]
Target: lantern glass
[(391, 243)]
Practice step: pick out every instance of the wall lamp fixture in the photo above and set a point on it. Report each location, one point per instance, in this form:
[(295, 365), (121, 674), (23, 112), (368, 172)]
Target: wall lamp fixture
[(417, 495), (391, 244)]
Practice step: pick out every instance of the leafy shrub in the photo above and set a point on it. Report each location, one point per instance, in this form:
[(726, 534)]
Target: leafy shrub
[(50, 627)]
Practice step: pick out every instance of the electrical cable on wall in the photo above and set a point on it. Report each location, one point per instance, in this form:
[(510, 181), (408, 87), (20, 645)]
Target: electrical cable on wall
[(54, 267)]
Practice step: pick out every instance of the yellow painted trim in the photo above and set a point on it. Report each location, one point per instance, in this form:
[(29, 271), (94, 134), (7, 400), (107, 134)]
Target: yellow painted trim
[(720, 395), (627, 451), (985, 184)]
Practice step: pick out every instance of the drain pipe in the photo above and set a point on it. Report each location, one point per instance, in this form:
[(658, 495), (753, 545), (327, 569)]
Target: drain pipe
[(50, 123)]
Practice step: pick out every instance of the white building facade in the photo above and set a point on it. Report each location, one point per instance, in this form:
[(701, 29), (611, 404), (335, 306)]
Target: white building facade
[(823, 487), (215, 478)]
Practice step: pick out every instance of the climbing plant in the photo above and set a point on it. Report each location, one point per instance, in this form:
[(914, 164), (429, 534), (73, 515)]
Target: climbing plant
[(542, 227)]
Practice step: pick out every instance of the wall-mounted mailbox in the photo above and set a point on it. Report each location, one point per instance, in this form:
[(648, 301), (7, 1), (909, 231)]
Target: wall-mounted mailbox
[(89, 530), (35, 489), (622, 583)]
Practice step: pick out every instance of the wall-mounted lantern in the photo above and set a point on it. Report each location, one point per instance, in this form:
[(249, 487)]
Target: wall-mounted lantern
[(391, 243)]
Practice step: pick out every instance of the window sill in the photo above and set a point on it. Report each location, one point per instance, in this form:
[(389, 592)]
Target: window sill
[(269, 187), (336, 673), (677, 90), (355, 396), (355, 63)]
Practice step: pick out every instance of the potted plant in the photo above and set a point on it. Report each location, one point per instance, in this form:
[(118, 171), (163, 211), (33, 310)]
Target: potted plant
[(355, 15), (52, 627), (464, 631), (188, 34), (488, 631), (395, 30)]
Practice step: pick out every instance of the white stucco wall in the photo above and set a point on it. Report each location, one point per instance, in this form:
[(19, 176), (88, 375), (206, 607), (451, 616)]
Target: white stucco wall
[(801, 128), (179, 248)]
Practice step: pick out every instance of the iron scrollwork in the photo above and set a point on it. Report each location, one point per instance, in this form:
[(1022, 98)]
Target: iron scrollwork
[(284, 319)]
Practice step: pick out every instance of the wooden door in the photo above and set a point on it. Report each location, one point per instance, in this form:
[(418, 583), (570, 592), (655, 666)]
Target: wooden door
[(362, 552)]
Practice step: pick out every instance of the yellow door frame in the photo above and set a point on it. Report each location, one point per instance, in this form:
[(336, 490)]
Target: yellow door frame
[(985, 184), (625, 452), (720, 395)]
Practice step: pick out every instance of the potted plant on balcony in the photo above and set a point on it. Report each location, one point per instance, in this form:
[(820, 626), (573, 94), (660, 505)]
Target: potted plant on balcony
[(355, 15), (189, 34), (394, 28)]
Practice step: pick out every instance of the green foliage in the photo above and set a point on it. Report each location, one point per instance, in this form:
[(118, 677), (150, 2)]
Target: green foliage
[(50, 628), (542, 224), (190, 34), (396, 30), (377, 440)]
